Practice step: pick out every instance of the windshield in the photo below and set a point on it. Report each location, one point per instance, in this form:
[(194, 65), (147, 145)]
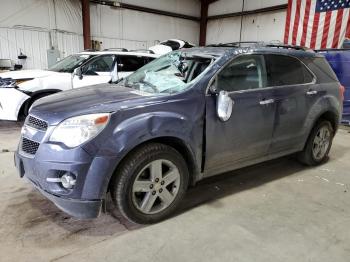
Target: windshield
[(68, 64), (169, 74)]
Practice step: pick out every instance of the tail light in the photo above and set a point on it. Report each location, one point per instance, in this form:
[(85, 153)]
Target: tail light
[(341, 92)]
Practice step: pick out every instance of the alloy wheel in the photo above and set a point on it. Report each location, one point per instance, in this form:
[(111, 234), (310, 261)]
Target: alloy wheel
[(321, 143), (156, 186)]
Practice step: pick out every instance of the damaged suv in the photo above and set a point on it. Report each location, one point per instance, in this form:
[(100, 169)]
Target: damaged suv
[(187, 115)]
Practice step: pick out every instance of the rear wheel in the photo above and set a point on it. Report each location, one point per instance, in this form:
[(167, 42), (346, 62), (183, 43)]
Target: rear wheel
[(318, 144), (150, 183)]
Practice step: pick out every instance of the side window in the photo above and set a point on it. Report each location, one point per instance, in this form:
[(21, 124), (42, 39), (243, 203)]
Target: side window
[(244, 72), (130, 63), (286, 70), (103, 63)]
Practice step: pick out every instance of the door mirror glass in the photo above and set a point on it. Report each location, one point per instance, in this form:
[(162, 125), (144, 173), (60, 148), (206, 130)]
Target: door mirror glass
[(224, 106), (78, 72)]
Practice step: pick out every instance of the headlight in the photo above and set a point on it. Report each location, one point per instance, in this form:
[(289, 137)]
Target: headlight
[(77, 130)]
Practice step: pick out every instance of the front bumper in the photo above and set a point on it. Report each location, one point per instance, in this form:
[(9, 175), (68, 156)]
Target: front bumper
[(80, 208), (51, 161), (11, 101)]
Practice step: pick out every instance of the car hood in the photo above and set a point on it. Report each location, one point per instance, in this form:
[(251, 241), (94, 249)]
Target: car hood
[(26, 74), (89, 100)]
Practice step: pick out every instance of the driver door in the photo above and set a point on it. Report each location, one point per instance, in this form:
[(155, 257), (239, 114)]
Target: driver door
[(246, 136), (98, 70)]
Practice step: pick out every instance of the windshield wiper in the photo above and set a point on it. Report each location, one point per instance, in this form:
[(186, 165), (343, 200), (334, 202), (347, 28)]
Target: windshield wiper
[(155, 89), (116, 81)]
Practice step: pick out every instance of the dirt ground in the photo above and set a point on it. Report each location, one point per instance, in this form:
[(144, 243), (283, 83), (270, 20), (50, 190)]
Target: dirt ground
[(276, 211)]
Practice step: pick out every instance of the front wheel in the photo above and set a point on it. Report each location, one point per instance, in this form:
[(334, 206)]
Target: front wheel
[(150, 183), (318, 144)]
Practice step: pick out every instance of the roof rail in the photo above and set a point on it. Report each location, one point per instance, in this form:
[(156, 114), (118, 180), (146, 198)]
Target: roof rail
[(237, 44), (142, 51), (262, 44), (295, 47), (116, 49)]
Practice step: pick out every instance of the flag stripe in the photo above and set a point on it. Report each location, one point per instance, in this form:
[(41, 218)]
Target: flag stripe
[(348, 28), (305, 22), (296, 22), (314, 30), (310, 25), (292, 19), (337, 28), (326, 29), (332, 28), (286, 32)]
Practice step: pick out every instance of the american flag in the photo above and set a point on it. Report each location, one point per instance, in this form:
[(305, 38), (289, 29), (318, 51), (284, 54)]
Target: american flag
[(317, 24)]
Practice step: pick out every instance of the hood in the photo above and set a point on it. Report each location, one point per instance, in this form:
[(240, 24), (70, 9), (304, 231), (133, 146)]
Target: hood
[(25, 74), (51, 81), (89, 100)]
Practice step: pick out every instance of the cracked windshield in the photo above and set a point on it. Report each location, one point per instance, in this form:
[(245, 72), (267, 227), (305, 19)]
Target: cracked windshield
[(169, 74)]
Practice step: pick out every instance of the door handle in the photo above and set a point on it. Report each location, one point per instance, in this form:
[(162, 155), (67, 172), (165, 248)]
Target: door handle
[(266, 102), (311, 92)]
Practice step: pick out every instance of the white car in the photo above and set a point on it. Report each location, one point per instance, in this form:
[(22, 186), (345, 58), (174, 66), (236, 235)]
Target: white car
[(169, 45), (19, 89)]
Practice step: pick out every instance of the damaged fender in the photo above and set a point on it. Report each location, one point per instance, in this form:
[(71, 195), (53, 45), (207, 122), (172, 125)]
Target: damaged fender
[(11, 101)]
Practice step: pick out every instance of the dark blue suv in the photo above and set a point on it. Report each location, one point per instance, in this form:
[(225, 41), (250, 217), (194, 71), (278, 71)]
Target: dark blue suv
[(187, 115)]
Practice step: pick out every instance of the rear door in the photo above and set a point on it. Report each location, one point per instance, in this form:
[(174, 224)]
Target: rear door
[(293, 92), (247, 134)]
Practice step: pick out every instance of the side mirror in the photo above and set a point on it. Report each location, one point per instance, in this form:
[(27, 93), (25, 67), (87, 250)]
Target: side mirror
[(78, 72), (224, 106)]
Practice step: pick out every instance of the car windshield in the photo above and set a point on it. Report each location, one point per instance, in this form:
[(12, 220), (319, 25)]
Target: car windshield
[(68, 64), (169, 74)]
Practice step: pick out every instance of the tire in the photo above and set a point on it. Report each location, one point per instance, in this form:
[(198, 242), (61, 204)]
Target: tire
[(144, 196), (309, 156)]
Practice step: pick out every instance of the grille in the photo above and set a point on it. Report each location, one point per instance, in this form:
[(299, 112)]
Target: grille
[(29, 146), (36, 123)]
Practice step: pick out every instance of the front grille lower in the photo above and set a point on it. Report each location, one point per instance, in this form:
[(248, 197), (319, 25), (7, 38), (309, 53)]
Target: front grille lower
[(29, 146), (36, 123)]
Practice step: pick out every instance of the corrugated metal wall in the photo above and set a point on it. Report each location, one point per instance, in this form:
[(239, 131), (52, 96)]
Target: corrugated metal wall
[(30, 42), (259, 27), (34, 25)]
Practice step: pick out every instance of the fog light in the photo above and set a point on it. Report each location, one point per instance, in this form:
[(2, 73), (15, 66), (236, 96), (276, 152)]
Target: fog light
[(68, 181)]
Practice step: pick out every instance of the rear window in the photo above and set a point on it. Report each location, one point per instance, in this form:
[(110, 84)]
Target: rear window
[(286, 70), (322, 69)]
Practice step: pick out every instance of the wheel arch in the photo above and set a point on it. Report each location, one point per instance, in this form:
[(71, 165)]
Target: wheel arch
[(34, 96), (174, 142), (328, 115)]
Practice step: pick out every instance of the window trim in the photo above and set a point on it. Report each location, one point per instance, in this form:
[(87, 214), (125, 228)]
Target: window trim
[(212, 79)]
